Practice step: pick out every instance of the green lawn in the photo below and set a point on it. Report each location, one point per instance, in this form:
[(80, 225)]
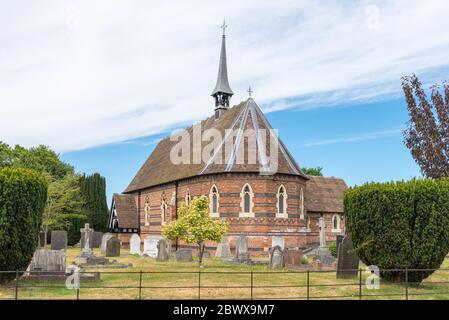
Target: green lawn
[(237, 279)]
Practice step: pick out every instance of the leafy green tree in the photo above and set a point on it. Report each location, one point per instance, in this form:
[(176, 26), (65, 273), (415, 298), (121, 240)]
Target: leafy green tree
[(312, 171), (65, 206), (93, 189), (195, 226), (23, 194)]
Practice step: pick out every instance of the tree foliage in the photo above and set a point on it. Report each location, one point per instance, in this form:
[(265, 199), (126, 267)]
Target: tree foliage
[(194, 225), (318, 171), (427, 133), (23, 194), (93, 189), (400, 225)]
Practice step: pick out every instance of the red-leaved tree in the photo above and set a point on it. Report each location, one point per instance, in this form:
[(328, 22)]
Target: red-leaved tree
[(427, 133)]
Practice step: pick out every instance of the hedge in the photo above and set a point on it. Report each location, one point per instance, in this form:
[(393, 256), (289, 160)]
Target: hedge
[(400, 225), (23, 195)]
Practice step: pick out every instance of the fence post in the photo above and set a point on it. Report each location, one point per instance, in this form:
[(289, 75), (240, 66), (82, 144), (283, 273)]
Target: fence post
[(252, 283), (140, 286), (17, 285), (199, 284), (308, 284), (77, 293), (360, 284), (406, 283)]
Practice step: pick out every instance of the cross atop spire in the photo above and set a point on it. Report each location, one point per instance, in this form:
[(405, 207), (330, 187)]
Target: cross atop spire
[(224, 26), (250, 91)]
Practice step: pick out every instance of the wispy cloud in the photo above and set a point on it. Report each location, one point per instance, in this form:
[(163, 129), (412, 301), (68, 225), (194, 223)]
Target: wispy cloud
[(76, 74), (354, 138)]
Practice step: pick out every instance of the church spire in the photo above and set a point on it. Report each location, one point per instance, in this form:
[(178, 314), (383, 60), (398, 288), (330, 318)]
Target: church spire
[(222, 92)]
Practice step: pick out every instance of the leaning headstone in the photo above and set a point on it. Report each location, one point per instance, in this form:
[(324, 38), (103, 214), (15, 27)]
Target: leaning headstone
[(96, 239), (293, 257), (348, 261), (58, 240), (113, 247), (276, 258), (42, 239), (162, 250), (150, 246), (223, 250), (278, 241), (338, 242), (48, 262), (104, 240), (241, 250), (184, 255), (134, 244)]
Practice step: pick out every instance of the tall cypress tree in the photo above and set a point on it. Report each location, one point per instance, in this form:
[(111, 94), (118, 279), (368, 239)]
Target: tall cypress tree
[(93, 188)]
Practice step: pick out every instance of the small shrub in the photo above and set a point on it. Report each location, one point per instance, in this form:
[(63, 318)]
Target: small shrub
[(333, 248), (305, 260), (400, 225), (23, 195)]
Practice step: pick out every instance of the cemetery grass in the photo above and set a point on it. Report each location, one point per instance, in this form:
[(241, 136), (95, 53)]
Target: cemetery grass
[(267, 284)]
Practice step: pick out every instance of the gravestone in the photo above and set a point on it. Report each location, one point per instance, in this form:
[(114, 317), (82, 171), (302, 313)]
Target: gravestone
[(241, 250), (150, 246), (96, 239), (278, 241), (48, 262), (338, 241), (348, 261), (162, 250), (293, 257), (87, 235), (58, 240), (113, 247), (322, 226), (134, 244), (276, 258), (42, 240), (104, 241), (223, 250), (184, 255)]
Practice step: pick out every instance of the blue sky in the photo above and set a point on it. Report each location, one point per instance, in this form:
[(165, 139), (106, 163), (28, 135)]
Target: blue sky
[(100, 81)]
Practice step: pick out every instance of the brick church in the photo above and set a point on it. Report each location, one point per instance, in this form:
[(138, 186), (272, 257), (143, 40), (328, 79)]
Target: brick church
[(259, 204)]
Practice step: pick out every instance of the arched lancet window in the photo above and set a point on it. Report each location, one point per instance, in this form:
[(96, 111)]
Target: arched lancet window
[(336, 223), (146, 209), (213, 201), (282, 201), (188, 198), (164, 209), (247, 200)]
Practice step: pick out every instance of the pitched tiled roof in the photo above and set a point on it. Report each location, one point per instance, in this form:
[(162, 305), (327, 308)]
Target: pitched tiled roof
[(126, 209), (325, 194), (158, 168)]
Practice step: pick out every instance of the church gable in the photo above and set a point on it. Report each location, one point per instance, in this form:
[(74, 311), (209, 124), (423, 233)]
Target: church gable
[(123, 217)]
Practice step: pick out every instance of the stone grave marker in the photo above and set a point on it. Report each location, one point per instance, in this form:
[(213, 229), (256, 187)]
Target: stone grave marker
[(134, 244), (162, 250), (47, 262), (276, 258), (58, 240), (42, 239), (87, 235), (223, 249), (348, 261), (241, 250), (150, 246), (113, 247), (104, 241), (338, 241), (293, 257), (184, 255)]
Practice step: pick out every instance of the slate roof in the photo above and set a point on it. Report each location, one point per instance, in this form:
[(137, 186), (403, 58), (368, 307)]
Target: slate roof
[(325, 194), (159, 169)]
